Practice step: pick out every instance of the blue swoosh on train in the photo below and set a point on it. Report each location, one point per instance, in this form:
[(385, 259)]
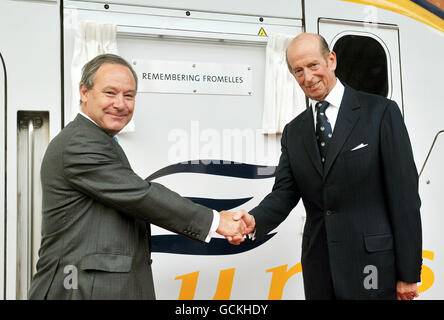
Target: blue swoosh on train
[(220, 204), (217, 167), (178, 244)]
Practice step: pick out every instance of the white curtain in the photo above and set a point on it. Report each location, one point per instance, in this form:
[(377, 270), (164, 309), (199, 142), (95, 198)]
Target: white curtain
[(91, 39), (283, 98)]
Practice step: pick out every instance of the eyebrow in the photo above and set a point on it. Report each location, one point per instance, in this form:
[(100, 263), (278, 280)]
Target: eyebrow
[(114, 88), (314, 61)]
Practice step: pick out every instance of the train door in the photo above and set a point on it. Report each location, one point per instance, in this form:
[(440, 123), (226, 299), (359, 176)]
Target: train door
[(199, 142)]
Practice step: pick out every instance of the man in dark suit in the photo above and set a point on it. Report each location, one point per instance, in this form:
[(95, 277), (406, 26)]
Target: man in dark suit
[(96, 210), (351, 162)]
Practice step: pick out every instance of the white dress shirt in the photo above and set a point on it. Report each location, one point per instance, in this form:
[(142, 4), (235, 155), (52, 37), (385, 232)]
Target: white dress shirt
[(334, 98), (216, 217)]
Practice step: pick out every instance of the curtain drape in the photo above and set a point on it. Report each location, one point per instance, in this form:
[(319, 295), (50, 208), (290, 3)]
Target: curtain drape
[(91, 39), (283, 98)]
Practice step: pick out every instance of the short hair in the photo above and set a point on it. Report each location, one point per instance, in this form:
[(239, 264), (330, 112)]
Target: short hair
[(89, 70), (323, 47)]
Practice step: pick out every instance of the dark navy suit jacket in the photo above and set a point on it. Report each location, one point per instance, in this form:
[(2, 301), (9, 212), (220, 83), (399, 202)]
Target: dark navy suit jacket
[(363, 207)]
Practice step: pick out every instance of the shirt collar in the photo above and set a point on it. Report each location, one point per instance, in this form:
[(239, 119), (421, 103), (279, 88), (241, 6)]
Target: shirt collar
[(334, 98), (84, 114), (87, 117)]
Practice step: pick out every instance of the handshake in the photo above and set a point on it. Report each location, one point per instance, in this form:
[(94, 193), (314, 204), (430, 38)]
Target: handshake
[(235, 225)]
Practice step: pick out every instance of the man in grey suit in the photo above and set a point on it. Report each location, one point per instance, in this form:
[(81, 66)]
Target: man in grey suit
[(351, 163), (96, 211)]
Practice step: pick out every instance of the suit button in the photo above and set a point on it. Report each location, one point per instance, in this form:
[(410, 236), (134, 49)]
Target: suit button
[(328, 213)]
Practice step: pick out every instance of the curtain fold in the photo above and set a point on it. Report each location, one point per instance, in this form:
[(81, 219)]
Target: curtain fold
[(91, 39), (283, 98)]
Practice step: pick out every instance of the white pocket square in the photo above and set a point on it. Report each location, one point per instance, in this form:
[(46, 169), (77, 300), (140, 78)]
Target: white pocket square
[(359, 147)]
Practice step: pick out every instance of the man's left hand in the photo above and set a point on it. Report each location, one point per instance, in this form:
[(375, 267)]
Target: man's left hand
[(406, 290)]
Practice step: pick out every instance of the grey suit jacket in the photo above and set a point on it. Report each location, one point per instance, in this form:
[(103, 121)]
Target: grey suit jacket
[(96, 216)]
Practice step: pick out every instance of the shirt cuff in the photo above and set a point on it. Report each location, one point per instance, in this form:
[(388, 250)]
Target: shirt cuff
[(214, 226), (252, 235)]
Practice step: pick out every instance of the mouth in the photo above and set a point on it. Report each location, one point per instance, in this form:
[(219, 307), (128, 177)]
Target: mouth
[(314, 86), (117, 116)]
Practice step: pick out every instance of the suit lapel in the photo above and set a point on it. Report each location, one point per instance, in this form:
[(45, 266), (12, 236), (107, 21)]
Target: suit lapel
[(348, 115), (309, 138)]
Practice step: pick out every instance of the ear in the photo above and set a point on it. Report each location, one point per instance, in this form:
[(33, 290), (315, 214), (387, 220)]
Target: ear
[(331, 61), (83, 92)]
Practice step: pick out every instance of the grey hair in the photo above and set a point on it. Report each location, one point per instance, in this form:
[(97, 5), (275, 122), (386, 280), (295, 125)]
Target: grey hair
[(89, 70), (323, 47)]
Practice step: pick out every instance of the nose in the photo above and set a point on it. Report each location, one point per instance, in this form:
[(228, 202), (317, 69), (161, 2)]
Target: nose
[(308, 76), (120, 101)]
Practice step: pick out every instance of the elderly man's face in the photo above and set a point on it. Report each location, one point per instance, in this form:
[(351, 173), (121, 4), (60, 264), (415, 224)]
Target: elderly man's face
[(110, 102), (313, 72)]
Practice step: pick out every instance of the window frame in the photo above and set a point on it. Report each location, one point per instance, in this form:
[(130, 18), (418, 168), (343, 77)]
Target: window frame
[(381, 43)]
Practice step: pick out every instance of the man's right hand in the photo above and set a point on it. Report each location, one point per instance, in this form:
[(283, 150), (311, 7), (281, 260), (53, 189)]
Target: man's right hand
[(250, 225), (233, 230), (248, 219)]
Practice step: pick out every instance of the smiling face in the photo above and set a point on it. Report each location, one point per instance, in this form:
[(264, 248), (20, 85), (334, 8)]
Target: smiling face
[(110, 102), (313, 70)]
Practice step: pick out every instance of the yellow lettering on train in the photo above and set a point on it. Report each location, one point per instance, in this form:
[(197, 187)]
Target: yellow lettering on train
[(223, 290), (224, 285), (189, 284), (427, 276), (279, 279)]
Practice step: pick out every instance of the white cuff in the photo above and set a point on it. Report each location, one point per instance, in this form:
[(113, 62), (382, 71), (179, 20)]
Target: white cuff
[(252, 235), (214, 226)]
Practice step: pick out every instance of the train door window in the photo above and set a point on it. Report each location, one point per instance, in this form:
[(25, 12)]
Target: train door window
[(362, 64), (369, 56)]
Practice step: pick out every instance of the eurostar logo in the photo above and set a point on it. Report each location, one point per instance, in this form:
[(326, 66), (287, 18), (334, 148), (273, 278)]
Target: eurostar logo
[(178, 244)]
